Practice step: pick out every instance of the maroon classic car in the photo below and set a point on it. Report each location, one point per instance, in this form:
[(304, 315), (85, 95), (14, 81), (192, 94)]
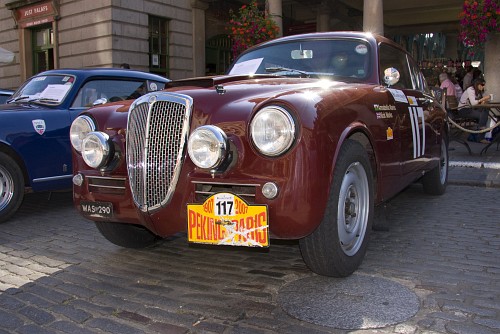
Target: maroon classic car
[(303, 138)]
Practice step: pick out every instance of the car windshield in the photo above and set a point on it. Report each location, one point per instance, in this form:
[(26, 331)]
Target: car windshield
[(47, 89), (308, 58)]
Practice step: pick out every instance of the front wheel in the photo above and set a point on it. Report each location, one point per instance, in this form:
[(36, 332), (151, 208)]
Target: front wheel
[(436, 180), (11, 187), (337, 247), (127, 235)]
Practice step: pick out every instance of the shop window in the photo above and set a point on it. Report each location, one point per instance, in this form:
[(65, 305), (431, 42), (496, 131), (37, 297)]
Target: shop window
[(43, 48), (158, 46)]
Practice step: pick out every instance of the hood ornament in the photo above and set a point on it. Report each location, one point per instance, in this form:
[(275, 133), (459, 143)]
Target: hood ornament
[(220, 89)]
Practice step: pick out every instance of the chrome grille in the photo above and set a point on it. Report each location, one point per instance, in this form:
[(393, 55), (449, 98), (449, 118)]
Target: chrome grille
[(158, 124)]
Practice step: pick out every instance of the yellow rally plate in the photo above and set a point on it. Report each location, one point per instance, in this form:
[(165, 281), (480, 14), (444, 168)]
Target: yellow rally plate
[(226, 219)]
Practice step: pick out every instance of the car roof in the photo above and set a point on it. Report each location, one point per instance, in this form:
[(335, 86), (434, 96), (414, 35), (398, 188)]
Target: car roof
[(112, 72), (371, 37), (6, 91)]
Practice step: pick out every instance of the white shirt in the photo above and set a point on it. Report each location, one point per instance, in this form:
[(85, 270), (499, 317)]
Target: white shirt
[(468, 98)]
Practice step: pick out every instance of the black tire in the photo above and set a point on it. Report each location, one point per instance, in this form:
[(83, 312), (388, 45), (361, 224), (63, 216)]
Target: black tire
[(11, 187), (436, 180), (127, 235), (337, 247)]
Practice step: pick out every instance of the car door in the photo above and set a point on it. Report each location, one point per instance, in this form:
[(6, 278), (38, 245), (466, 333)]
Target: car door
[(413, 110)]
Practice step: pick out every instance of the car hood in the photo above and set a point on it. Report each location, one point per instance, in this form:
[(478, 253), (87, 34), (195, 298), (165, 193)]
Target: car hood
[(216, 94), (17, 107), (249, 85)]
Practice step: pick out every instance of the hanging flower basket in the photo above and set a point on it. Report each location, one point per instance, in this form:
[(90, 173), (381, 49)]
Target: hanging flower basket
[(250, 26), (478, 20)]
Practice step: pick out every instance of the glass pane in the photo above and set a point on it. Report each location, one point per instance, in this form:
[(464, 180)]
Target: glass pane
[(111, 90), (40, 38), (49, 89)]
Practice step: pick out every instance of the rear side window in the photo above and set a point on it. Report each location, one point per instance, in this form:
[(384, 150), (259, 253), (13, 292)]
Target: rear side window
[(111, 90), (392, 57)]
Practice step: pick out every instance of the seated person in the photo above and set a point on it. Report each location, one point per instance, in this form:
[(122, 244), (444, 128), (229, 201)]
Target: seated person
[(471, 97), (339, 65), (140, 91)]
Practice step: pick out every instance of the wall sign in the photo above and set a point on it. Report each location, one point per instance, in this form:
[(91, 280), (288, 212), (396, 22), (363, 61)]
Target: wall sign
[(34, 15)]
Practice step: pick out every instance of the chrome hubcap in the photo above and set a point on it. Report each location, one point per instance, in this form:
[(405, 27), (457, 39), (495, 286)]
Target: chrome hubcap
[(6, 188), (353, 207)]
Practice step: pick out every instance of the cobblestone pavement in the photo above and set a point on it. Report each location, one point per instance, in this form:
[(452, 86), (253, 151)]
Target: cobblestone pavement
[(58, 275)]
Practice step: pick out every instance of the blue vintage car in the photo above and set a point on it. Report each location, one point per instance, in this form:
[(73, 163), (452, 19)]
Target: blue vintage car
[(5, 94), (35, 148)]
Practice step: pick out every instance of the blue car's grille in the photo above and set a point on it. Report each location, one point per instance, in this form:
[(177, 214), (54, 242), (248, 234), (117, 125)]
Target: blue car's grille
[(158, 124)]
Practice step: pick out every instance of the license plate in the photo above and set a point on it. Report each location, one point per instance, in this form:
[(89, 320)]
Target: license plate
[(97, 209), (226, 219)]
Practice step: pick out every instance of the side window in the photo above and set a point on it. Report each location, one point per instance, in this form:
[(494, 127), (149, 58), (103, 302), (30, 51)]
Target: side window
[(392, 57), (111, 90), (416, 76)]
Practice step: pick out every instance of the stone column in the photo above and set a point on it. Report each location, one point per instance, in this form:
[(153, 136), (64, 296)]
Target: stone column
[(492, 66), (199, 7), (274, 9), (373, 16), (323, 17)]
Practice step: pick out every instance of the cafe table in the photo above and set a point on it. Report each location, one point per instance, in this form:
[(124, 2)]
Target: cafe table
[(494, 116)]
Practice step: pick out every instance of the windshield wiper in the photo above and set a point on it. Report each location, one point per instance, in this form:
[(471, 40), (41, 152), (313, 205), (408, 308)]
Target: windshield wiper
[(22, 97), (275, 69), (45, 99)]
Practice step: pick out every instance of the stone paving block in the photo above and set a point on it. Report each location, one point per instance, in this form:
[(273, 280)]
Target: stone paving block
[(491, 323), (466, 328), (73, 314), (468, 309), (69, 327), (30, 329), (112, 326), (36, 315), (93, 308), (161, 327), (9, 320)]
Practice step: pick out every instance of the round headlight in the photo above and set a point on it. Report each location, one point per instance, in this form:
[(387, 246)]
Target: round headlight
[(272, 130), (95, 149), (207, 146), (80, 127)]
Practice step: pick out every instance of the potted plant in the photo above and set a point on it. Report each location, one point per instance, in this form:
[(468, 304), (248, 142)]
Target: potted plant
[(250, 26), (478, 19)]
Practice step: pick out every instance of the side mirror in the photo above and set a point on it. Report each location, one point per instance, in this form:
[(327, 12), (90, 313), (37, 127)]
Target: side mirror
[(100, 101), (391, 76)]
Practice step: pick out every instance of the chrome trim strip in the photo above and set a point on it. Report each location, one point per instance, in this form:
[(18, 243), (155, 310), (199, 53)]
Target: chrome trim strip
[(227, 184), (213, 192), (52, 178), (106, 187), (107, 178)]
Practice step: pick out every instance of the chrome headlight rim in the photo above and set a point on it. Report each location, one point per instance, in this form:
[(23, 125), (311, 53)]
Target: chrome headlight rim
[(290, 133), (219, 146), (77, 135), (102, 143)]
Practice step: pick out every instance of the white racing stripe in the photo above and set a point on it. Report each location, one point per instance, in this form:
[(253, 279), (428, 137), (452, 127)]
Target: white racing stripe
[(418, 147)]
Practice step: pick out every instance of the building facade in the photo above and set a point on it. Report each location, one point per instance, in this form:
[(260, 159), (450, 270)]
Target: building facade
[(154, 36), (176, 39)]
